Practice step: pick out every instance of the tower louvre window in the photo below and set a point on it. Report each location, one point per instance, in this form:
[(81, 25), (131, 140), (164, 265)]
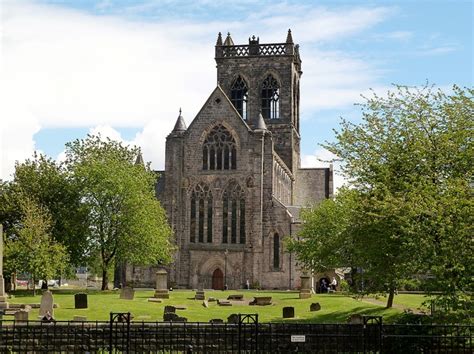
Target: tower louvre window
[(219, 150), (239, 96), (270, 98), (201, 215), (233, 214)]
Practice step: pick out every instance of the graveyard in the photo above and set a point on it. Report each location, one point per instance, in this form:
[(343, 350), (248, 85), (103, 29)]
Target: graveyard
[(334, 308)]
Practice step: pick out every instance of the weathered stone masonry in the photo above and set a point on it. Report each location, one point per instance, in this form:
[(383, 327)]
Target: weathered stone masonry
[(232, 185)]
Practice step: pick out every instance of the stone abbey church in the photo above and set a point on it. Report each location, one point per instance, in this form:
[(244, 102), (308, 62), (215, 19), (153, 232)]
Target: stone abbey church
[(232, 185)]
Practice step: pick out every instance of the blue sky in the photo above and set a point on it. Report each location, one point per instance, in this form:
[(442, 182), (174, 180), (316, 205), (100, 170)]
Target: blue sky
[(124, 68)]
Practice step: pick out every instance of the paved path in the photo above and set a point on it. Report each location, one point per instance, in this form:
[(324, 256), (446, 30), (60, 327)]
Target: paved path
[(383, 303)]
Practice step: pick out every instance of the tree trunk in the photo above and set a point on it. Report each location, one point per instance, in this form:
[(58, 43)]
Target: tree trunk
[(34, 287), (105, 280), (391, 295)]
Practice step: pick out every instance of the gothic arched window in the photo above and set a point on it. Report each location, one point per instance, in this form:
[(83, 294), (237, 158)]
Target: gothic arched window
[(239, 96), (276, 251), (233, 215), (219, 150), (270, 98), (200, 226)]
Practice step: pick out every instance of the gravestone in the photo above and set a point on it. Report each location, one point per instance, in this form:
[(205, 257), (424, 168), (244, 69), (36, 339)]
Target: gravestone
[(200, 295), (46, 305), (355, 319), (3, 295), (169, 309), (205, 304), (238, 297), (305, 290), (211, 299), (169, 316), (216, 320), (288, 312), (161, 289), (315, 306), (21, 316), (261, 301), (224, 303), (234, 318), (152, 299), (127, 293), (79, 318), (80, 301)]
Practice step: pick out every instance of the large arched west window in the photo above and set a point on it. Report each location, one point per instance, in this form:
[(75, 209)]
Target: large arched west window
[(239, 96), (270, 98), (200, 227), (233, 214), (219, 150)]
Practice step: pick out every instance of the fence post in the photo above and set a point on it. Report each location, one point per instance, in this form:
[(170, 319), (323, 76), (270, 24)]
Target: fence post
[(119, 317)]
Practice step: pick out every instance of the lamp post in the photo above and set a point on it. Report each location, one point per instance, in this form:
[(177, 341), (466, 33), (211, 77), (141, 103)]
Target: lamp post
[(226, 252)]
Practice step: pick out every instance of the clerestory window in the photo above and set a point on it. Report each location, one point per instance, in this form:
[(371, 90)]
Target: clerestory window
[(270, 98), (239, 96), (233, 215), (201, 215), (219, 150)]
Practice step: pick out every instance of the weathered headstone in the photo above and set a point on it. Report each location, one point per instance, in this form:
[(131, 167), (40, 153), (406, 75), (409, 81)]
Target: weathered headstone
[(234, 318), (3, 295), (224, 303), (200, 295), (305, 290), (169, 316), (161, 289), (79, 318), (211, 299), (21, 316), (288, 312), (355, 319), (46, 305), (205, 304), (152, 299), (216, 320), (238, 297), (315, 306), (261, 300), (80, 301), (169, 309), (127, 293)]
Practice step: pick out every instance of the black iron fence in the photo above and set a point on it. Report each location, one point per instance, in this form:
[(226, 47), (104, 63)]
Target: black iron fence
[(246, 336)]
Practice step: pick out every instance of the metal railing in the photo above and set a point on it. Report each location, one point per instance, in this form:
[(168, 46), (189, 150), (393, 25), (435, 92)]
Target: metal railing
[(248, 336)]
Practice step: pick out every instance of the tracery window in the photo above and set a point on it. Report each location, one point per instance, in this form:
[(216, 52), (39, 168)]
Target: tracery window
[(233, 215), (219, 150), (270, 98), (276, 251), (239, 96), (200, 228)]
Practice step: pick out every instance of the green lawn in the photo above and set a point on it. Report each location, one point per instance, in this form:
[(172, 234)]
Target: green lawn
[(335, 307), (413, 301)]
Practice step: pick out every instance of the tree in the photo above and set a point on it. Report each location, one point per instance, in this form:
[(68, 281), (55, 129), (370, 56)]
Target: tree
[(125, 221), (33, 250), (46, 181), (410, 161)]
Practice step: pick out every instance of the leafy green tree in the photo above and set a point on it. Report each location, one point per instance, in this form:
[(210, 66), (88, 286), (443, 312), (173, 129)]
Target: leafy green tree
[(45, 181), (32, 250), (411, 162), (124, 222)]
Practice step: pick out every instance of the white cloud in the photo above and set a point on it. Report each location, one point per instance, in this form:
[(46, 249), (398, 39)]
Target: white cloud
[(66, 68), (317, 160)]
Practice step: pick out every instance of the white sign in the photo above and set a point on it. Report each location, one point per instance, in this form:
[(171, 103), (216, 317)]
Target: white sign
[(298, 339)]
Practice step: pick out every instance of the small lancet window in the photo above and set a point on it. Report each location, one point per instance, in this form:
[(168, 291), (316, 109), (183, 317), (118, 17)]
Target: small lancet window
[(201, 215), (270, 98), (219, 150), (276, 251), (239, 96)]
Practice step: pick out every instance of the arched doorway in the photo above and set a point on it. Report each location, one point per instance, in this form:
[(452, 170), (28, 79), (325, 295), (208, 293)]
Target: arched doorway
[(218, 280)]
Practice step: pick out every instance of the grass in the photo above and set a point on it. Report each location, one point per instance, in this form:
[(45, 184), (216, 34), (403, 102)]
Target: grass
[(412, 301), (334, 307)]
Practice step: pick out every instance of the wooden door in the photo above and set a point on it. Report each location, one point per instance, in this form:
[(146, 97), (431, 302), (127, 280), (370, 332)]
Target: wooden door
[(218, 280)]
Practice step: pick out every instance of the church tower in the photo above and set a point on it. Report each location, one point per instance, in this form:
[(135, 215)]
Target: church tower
[(232, 186), (265, 78)]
